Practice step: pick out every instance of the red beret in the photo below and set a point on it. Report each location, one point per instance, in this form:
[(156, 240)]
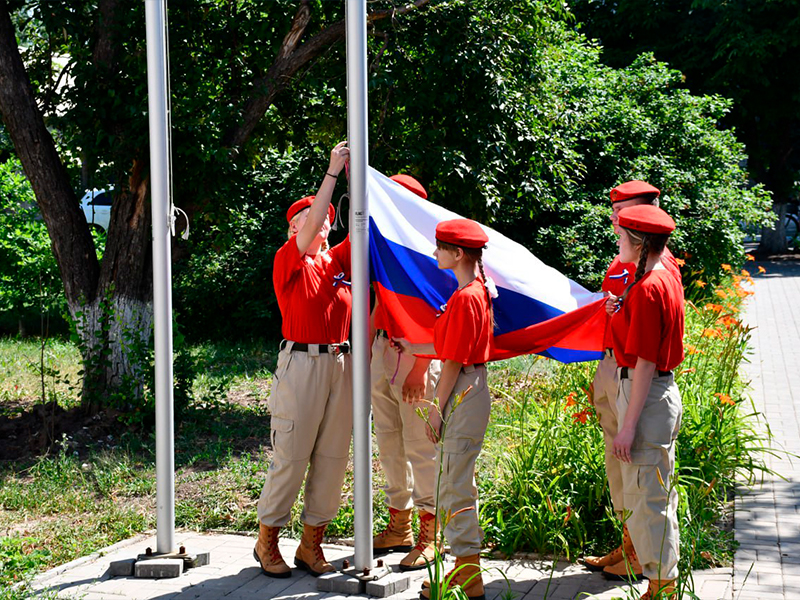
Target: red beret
[(461, 232), (646, 218), (408, 182), (633, 189), (305, 203)]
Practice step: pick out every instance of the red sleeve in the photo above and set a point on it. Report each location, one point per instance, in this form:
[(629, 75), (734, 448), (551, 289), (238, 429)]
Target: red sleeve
[(341, 252), (461, 332), (646, 324), (671, 264), (287, 261)]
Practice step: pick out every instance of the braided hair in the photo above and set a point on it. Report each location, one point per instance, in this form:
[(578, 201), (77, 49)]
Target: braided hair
[(474, 255), (650, 243)]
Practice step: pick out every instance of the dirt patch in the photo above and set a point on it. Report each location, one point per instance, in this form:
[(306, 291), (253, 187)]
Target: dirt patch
[(38, 428)]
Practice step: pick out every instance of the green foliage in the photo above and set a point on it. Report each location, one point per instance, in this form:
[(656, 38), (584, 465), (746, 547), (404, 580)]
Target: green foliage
[(635, 123), (29, 277), (18, 558), (747, 50)]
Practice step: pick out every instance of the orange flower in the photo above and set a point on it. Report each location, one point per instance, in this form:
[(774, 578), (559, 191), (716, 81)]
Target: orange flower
[(749, 257), (728, 321), (720, 293), (710, 333), (680, 262), (686, 371), (700, 284), (725, 267), (761, 269), (745, 273), (581, 416), (715, 307), (691, 349), (570, 400), (569, 515), (725, 399)]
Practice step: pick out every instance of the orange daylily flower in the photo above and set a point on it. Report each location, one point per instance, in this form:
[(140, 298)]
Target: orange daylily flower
[(725, 399), (700, 284), (710, 333), (581, 416), (721, 293), (715, 307), (691, 349), (569, 515), (680, 262), (761, 269), (725, 267), (749, 257), (745, 273), (570, 400)]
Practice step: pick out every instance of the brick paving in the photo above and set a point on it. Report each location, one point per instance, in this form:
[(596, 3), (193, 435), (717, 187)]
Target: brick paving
[(234, 575), (767, 564)]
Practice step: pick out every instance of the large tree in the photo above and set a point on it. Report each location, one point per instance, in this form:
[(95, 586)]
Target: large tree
[(73, 100), (746, 50)]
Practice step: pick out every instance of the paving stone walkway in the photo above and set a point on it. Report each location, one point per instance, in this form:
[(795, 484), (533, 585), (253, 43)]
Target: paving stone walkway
[(234, 575), (767, 565)]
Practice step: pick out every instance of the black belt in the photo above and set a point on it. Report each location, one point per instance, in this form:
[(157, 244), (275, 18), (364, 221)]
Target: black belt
[(623, 373), (343, 348)]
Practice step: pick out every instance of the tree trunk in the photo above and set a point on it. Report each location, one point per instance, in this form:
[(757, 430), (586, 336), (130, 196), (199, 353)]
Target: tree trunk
[(773, 240)]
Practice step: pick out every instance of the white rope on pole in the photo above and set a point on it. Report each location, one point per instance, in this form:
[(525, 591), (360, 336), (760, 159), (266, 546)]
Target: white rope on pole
[(356, 23), (157, 102)]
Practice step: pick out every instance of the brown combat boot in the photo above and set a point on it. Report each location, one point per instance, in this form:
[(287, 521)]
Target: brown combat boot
[(425, 551), (268, 555), (628, 569), (309, 554), (397, 536), (598, 563), (663, 589), (467, 575)]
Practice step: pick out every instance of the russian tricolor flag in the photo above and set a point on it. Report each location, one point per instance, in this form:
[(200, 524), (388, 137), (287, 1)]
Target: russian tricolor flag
[(538, 309)]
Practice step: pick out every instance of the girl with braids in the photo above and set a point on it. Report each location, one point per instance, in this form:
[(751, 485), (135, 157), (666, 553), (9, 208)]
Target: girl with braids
[(462, 340), (647, 337)]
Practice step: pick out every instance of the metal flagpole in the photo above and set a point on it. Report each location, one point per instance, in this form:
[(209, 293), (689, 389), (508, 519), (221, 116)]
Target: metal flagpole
[(356, 21), (155, 16)]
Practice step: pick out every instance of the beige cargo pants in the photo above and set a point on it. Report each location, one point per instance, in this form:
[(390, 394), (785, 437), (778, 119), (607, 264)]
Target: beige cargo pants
[(312, 421), (408, 457), (605, 386), (462, 443), (653, 506)]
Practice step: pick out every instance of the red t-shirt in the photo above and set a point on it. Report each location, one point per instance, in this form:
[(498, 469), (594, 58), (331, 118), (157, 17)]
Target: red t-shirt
[(650, 322), (463, 332), (620, 275), (381, 321), (313, 293)]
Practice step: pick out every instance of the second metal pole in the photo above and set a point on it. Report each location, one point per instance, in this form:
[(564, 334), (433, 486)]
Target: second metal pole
[(356, 19), (155, 15)]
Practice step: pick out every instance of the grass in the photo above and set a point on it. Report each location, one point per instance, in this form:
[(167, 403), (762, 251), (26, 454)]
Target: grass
[(541, 474)]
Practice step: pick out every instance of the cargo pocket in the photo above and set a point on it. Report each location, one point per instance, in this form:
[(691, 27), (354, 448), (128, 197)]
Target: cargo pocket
[(281, 437), (284, 360)]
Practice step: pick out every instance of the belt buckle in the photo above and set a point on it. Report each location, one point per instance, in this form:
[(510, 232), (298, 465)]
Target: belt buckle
[(334, 349)]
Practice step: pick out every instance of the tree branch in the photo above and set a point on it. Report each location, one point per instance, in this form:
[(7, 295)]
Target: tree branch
[(290, 59)]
